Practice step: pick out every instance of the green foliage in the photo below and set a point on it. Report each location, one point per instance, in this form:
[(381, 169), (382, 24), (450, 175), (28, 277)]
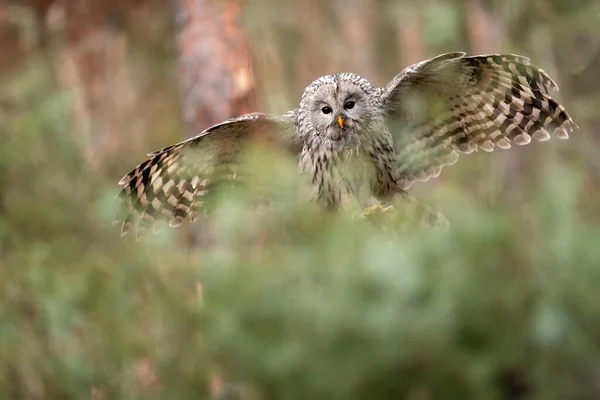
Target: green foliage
[(295, 304)]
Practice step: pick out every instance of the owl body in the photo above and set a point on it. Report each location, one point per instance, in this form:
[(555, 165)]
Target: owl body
[(356, 142), (340, 122)]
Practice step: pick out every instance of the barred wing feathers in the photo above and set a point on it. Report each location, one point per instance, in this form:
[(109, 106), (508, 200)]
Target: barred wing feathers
[(173, 183), (454, 104)]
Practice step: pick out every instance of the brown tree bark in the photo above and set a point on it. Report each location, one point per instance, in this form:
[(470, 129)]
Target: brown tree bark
[(410, 43), (359, 29), (91, 63), (216, 80), (215, 71), (483, 29), (215, 75)]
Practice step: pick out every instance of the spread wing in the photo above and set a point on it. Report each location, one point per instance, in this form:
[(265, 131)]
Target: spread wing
[(174, 182), (455, 104)]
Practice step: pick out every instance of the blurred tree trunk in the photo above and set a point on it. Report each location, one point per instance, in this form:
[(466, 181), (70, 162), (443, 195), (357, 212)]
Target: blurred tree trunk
[(484, 32), (483, 29), (360, 26), (215, 74), (92, 65), (216, 78), (310, 60), (12, 47), (411, 46)]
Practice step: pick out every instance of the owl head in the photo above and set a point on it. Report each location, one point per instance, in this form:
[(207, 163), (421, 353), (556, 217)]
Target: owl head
[(337, 109)]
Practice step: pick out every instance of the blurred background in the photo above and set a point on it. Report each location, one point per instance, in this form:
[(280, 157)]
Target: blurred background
[(503, 306)]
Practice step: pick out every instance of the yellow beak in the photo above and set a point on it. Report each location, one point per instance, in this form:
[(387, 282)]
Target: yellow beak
[(340, 121)]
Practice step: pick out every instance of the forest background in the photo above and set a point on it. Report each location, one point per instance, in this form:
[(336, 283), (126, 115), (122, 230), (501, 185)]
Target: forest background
[(288, 305)]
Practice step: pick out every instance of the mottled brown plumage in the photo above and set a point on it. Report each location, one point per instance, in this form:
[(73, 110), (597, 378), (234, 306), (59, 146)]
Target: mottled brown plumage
[(355, 141)]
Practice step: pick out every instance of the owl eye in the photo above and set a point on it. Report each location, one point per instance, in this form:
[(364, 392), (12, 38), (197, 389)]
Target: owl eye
[(326, 110), (349, 105)]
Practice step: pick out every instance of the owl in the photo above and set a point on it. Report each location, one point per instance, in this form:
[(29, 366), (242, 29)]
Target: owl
[(354, 141)]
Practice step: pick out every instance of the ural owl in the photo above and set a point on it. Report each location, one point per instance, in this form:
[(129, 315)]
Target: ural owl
[(401, 133)]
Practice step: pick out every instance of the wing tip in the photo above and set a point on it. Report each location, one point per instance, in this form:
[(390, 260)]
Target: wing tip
[(125, 180)]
